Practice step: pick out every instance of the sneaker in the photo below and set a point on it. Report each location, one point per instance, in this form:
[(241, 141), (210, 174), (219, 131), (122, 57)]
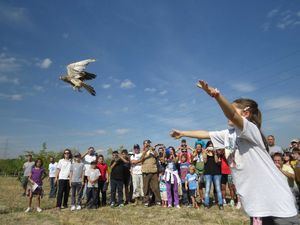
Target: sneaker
[(38, 209), (221, 207), (73, 207), (177, 206), (232, 203), (112, 205), (158, 203), (121, 205), (224, 202), (169, 206), (62, 207), (146, 204), (28, 210), (190, 206), (238, 205), (78, 207)]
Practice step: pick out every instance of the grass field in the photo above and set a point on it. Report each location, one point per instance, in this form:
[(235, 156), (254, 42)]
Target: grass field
[(12, 206)]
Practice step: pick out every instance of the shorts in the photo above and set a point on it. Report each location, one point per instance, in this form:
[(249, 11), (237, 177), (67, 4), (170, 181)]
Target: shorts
[(192, 193), (201, 181), (226, 178), (164, 196), (24, 181)]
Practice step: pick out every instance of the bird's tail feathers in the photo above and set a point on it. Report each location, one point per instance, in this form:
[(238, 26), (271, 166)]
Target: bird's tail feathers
[(89, 76), (89, 88)]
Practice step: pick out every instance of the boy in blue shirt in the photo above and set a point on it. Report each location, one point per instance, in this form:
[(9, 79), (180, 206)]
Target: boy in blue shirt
[(191, 184)]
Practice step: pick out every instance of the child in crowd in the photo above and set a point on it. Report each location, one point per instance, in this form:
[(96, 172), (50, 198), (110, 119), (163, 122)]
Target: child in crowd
[(35, 178), (172, 178), (117, 178), (184, 169), (76, 181), (163, 189), (191, 184), (103, 180), (269, 201), (63, 179), (226, 179), (52, 171), (93, 175), (127, 176)]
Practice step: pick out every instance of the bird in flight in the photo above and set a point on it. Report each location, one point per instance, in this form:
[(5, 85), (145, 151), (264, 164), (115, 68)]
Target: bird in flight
[(76, 75)]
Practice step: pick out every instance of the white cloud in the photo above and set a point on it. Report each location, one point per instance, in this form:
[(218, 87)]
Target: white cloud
[(151, 90), (5, 79), (12, 97), (106, 86), (38, 88), (88, 133), (281, 19), (125, 109), (14, 15), (243, 87), (8, 64), (127, 84), (65, 35), (164, 92), (122, 131), (272, 13), (45, 63), (283, 103)]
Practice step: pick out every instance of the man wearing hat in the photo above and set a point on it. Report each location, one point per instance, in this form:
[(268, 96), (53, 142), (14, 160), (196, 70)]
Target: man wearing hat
[(150, 173), (27, 166), (294, 144), (137, 175)]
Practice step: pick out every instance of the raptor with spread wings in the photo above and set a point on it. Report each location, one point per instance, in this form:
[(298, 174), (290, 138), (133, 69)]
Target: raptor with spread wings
[(77, 75)]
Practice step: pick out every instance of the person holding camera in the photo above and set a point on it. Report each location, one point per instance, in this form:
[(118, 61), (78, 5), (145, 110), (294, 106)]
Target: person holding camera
[(184, 149), (150, 173), (212, 173), (117, 177), (137, 175)]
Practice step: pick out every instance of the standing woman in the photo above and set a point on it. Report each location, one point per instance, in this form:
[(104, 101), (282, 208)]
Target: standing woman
[(263, 189), (212, 174), (63, 177)]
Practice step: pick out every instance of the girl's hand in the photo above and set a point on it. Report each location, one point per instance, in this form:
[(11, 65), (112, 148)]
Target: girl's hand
[(176, 134), (213, 92)]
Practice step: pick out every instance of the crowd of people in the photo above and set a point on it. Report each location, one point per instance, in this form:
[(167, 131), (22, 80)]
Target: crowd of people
[(151, 175)]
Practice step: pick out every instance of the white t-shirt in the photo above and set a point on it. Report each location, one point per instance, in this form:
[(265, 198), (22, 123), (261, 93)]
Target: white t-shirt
[(274, 149), (52, 169), (87, 162), (137, 168), (263, 189), (64, 166), (93, 174)]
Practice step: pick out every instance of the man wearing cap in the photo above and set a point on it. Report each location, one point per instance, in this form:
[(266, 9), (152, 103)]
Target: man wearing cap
[(150, 173), (137, 175), (87, 158), (27, 166), (294, 144), (272, 147)]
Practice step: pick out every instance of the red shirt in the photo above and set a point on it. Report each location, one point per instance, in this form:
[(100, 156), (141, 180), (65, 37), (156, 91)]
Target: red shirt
[(103, 169), (225, 169)]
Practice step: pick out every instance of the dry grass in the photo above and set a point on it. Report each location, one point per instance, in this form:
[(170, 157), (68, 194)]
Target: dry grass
[(12, 207)]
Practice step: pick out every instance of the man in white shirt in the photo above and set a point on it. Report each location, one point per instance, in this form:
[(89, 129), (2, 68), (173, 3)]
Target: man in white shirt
[(27, 167), (137, 175), (272, 147), (52, 171), (87, 158)]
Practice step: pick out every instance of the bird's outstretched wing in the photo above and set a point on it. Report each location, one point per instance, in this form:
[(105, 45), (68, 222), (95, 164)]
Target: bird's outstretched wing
[(89, 88), (74, 69)]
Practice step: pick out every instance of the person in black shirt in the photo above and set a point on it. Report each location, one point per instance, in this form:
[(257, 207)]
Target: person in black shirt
[(127, 176), (212, 173), (117, 178)]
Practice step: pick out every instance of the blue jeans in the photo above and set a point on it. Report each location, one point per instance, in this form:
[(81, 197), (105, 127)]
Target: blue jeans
[(52, 188), (217, 181)]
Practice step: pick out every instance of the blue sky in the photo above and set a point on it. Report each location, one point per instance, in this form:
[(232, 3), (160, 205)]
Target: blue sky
[(149, 56)]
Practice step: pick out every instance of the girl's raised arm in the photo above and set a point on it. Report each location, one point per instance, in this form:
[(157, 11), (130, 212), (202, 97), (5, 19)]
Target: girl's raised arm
[(200, 134), (225, 105)]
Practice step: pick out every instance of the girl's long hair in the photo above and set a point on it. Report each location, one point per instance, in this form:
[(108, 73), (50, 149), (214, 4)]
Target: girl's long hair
[(255, 114)]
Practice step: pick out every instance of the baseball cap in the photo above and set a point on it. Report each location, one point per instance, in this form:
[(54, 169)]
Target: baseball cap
[(295, 140), (77, 154), (136, 146), (147, 142)]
